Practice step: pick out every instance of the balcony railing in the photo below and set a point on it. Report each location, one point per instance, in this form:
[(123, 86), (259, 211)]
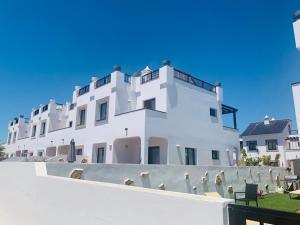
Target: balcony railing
[(194, 81), (127, 78), (103, 81), (150, 76), (36, 112), (294, 132), (84, 90), (45, 108)]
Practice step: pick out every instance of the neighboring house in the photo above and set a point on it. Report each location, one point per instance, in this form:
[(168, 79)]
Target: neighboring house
[(272, 137), (164, 116)]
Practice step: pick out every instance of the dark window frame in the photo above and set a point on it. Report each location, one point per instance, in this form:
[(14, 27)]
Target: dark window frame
[(213, 112), (103, 111), (272, 144), (148, 104), (82, 117), (188, 160), (215, 155), (250, 144)]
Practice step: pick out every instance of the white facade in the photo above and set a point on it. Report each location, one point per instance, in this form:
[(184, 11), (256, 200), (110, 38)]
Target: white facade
[(111, 122), (296, 96), (296, 26), (285, 142)]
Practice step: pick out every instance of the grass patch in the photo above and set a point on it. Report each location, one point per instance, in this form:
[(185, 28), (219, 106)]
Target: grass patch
[(277, 201)]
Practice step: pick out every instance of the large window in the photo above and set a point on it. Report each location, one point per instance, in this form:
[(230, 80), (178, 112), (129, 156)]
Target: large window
[(213, 112), (82, 113), (103, 111), (215, 155), (252, 145), (271, 144), (33, 133), (149, 104), (43, 128), (190, 156)]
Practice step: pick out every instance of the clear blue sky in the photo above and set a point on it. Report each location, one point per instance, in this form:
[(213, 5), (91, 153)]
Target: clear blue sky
[(48, 47)]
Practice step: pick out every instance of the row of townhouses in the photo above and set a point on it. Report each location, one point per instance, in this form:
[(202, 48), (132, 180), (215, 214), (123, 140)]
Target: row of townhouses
[(163, 116)]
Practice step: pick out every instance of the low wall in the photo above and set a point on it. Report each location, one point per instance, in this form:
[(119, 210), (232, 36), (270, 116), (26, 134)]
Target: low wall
[(30, 197), (175, 177)]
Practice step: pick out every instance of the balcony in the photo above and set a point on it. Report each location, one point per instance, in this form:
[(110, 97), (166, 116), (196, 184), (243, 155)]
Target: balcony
[(150, 76), (103, 81), (127, 78), (194, 81)]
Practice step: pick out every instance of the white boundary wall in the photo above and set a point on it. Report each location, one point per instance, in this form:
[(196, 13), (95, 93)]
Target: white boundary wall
[(30, 197)]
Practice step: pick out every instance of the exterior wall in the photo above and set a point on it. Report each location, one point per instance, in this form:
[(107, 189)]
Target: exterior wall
[(296, 96), (296, 26), (63, 201), (182, 118)]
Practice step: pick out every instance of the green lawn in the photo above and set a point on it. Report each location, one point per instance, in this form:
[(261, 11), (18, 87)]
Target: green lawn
[(279, 202)]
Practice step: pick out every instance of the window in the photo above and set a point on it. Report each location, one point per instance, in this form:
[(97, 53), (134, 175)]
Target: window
[(149, 104), (15, 137), (190, 156), (213, 112), (82, 117), (43, 128), (271, 145), (33, 131), (79, 151), (252, 145), (215, 155), (103, 111)]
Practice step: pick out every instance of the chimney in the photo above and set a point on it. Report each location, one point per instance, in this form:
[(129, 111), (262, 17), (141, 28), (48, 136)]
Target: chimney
[(266, 120)]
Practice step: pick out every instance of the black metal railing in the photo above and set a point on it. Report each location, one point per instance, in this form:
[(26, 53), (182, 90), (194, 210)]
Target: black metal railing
[(150, 76), (84, 90), (103, 81), (239, 214), (293, 132), (36, 112), (45, 108), (194, 81), (127, 78)]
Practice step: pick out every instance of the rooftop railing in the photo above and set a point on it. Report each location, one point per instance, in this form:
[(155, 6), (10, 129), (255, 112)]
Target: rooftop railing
[(84, 90), (293, 132), (36, 112), (103, 81), (150, 76), (194, 81), (45, 108), (127, 78)]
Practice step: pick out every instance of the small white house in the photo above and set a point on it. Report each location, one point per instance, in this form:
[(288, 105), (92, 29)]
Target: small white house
[(162, 116), (271, 137)]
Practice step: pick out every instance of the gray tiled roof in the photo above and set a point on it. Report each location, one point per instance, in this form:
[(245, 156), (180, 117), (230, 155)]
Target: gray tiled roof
[(275, 126)]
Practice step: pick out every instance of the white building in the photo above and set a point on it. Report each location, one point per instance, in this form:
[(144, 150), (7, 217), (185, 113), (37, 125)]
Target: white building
[(272, 137), (164, 116), (296, 85), (296, 26)]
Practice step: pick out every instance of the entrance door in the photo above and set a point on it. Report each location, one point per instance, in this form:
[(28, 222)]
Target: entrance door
[(100, 155), (154, 155)]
